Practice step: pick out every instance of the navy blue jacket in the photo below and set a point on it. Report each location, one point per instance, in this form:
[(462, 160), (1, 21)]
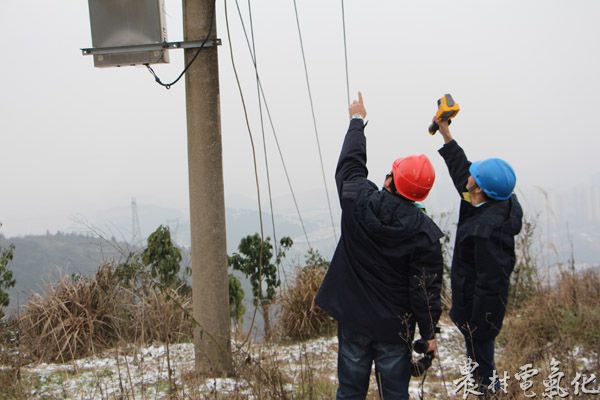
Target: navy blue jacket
[(386, 271), (484, 254)]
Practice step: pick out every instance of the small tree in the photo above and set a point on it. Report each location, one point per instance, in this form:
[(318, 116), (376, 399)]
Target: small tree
[(236, 300), (6, 277), (314, 259), (162, 256), (255, 260), (523, 281), (129, 271)]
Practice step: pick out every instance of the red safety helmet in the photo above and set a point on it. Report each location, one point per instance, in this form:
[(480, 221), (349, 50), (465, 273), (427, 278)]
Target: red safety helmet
[(413, 176)]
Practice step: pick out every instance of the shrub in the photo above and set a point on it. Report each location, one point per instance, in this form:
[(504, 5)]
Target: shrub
[(79, 316), (524, 279), (6, 277), (299, 318), (553, 323), (72, 318), (236, 300)]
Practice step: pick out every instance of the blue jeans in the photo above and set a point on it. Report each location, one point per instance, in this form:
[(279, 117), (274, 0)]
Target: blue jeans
[(482, 352), (355, 357)]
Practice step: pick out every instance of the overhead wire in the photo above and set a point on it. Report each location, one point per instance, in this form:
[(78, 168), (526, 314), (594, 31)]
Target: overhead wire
[(275, 137), (345, 53), (264, 141), (260, 257), (312, 109)]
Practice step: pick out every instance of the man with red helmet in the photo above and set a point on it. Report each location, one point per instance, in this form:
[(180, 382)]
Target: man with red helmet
[(386, 273)]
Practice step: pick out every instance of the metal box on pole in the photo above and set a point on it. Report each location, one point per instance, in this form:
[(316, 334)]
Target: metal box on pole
[(128, 32)]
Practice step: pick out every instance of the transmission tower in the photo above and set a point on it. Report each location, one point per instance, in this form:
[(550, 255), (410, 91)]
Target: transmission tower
[(136, 231)]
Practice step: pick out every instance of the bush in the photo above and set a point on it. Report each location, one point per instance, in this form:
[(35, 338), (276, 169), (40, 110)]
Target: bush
[(299, 318), (6, 277), (553, 323), (524, 279), (79, 316)]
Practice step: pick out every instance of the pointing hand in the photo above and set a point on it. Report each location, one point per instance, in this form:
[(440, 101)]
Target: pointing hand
[(358, 107)]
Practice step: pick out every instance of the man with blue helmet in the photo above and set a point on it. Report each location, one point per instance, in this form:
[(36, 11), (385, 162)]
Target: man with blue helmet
[(484, 251)]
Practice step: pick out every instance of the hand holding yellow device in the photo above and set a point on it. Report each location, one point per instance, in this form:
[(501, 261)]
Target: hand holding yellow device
[(447, 109)]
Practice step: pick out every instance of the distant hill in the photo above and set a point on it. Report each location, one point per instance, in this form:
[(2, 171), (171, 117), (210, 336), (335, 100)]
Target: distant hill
[(39, 259)]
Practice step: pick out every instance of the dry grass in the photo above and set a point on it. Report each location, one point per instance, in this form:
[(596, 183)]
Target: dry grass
[(80, 316), (160, 316), (73, 318), (552, 324), (298, 319)]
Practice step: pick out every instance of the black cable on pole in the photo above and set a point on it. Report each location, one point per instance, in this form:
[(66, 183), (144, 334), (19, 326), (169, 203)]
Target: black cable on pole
[(312, 108), (269, 116), (189, 64), (345, 53), (262, 129)]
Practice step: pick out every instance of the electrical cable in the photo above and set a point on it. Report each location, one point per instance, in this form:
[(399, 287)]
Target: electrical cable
[(260, 266), (312, 108), (269, 116), (345, 53), (189, 64), (262, 128)]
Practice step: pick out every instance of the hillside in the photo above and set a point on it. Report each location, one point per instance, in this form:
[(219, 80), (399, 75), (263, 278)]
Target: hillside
[(39, 259), (267, 371)]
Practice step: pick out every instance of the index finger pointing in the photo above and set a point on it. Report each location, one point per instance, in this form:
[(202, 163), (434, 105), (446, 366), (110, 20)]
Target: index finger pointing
[(360, 98)]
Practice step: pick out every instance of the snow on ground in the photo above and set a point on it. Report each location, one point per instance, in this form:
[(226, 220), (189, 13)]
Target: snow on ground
[(143, 373)]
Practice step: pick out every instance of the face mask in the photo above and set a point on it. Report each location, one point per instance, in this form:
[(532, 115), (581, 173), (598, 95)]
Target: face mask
[(467, 197)]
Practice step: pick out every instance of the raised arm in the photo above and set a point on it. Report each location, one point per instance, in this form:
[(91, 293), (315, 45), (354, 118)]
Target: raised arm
[(352, 164), (455, 158)]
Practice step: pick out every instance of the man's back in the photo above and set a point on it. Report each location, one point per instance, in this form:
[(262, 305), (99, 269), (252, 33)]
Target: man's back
[(387, 267)]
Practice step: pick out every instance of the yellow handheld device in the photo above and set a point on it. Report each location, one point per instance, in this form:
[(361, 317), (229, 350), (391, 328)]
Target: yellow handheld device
[(447, 109)]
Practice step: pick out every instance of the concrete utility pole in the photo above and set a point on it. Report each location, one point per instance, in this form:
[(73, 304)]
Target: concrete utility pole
[(207, 205)]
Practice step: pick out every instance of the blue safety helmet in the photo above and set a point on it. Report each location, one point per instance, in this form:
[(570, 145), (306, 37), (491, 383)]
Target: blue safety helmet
[(495, 177)]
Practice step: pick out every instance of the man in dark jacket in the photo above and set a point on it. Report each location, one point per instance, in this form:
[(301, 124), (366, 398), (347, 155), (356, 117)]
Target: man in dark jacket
[(484, 252), (386, 272)]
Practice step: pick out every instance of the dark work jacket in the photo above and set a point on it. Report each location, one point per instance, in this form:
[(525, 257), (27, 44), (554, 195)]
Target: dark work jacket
[(484, 254), (386, 271)]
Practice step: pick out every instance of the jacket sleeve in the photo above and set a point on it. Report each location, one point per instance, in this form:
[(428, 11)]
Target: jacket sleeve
[(425, 285), (352, 164), (457, 163), (491, 289)]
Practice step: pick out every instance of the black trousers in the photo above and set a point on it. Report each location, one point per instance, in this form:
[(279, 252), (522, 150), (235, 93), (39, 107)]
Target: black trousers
[(482, 352)]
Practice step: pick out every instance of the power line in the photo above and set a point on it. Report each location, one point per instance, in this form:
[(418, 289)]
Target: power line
[(262, 238), (262, 129), (345, 53), (269, 116), (312, 109)]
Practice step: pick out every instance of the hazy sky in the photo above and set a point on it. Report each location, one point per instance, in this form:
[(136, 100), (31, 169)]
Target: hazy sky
[(75, 139)]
